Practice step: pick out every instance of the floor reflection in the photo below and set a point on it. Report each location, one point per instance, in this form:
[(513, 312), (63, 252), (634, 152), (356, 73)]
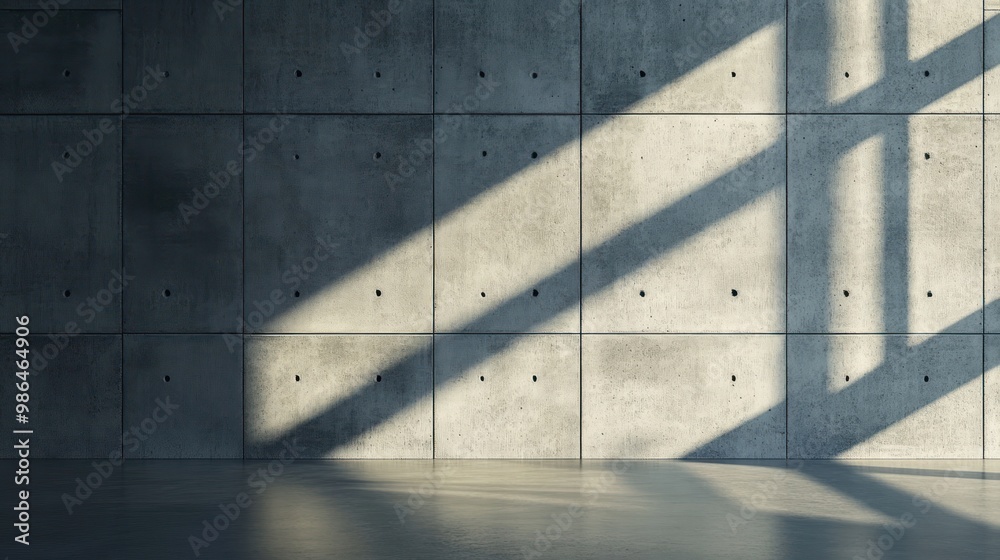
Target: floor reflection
[(512, 509)]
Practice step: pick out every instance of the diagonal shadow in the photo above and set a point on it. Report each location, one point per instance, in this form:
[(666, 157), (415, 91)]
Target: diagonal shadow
[(385, 230), (867, 394), (659, 229), (710, 206)]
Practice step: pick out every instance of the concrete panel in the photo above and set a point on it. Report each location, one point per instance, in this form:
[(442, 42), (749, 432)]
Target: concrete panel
[(886, 57), (352, 56), (61, 242), (74, 396), (992, 222), (356, 397), (185, 251), (72, 64), (183, 397), (507, 396), (334, 242), (991, 400), (517, 56), (695, 57), (683, 244), (885, 218), (991, 60), (197, 48), (870, 396), (669, 396), (508, 225)]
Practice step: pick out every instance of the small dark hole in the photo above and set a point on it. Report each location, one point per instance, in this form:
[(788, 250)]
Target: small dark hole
[(166, 293), (166, 378), (734, 292), (296, 294), (378, 74), (378, 379), (66, 155), (483, 294), (484, 153), (642, 73), (67, 293), (847, 294), (642, 293), (481, 378), (298, 73), (296, 156), (482, 74), (847, 74), (734, 74), (534, 75), (534, 293), (926, 379), (734, 378), (930, 294), (378, 155), (847, 378), (534, 155), (378, 293), (66, 73), (927, 73), (166, 74), (297, 378), (534, 378)]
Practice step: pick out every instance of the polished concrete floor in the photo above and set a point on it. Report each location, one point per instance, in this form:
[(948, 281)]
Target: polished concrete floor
[(306, 510)]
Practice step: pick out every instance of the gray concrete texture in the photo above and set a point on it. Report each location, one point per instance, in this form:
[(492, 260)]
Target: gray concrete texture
[(339, 396), (182, 397), (188, 264), (650, 396), (726, 275), (75, 397), (520, 399), (198, 53), (72, 64), (841, 387), (548, 229), (338, 240), (62, 245), (991, 398), (884, 227)]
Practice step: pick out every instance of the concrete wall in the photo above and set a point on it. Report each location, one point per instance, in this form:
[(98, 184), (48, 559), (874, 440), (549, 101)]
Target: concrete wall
[(505, 229)]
